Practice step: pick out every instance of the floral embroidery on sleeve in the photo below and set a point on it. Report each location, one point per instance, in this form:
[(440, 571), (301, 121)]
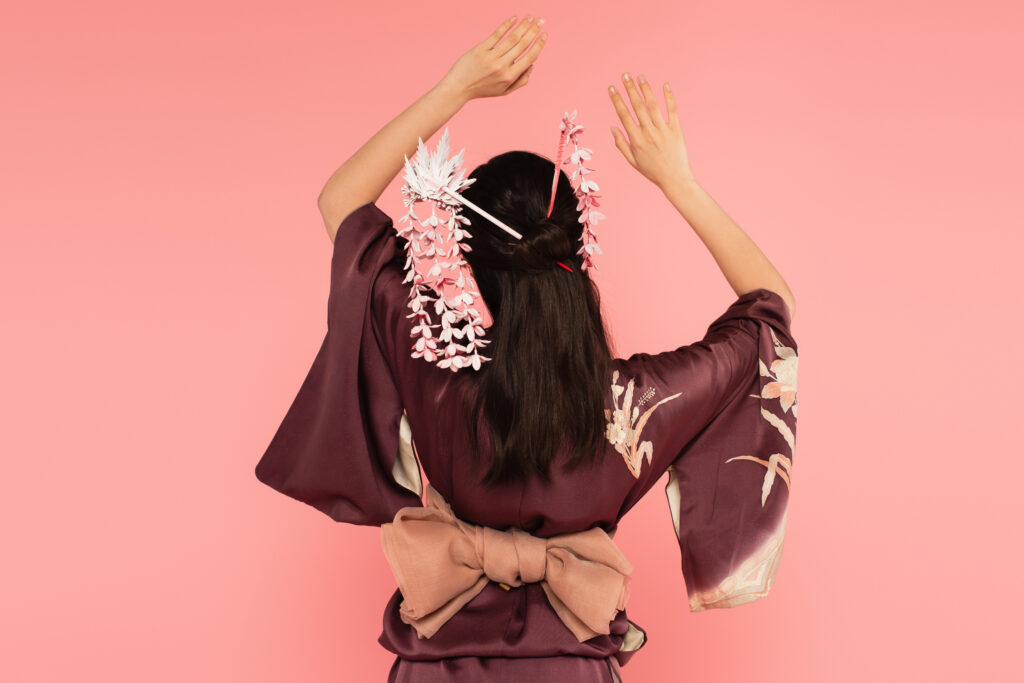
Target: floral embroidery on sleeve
[(625, 424), (783, 371)]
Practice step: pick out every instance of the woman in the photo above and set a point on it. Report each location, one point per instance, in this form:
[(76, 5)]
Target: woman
[(553, 437)]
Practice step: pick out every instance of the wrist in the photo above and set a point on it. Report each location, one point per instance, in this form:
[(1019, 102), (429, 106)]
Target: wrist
[(451, 92), (681, 187)]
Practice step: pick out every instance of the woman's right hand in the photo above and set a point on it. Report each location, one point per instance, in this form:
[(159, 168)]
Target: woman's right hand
[(652, 144)]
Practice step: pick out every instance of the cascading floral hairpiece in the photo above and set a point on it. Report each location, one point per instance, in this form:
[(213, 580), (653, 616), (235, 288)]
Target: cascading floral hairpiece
[(434, 247)]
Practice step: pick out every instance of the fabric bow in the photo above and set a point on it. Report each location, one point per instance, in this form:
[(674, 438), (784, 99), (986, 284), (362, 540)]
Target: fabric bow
[(442, 562)]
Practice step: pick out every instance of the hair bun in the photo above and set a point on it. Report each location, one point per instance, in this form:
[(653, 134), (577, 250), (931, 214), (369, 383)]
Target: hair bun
[(543, 246)]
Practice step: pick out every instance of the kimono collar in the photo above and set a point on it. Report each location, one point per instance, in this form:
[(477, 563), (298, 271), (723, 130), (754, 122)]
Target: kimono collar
[(442, 562)]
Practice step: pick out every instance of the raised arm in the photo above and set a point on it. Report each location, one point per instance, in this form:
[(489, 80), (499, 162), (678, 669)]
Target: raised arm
[(368, 172), (654, 145), (488, 69)]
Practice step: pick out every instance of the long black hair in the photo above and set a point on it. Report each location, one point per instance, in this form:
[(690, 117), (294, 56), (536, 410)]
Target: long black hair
[(545, 385)]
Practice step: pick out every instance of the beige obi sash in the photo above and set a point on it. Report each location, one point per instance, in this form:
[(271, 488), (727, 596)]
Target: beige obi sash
[(441, 562)]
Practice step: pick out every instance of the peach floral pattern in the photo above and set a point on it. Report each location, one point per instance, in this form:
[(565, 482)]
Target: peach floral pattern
[(625, 423), (783, 372)]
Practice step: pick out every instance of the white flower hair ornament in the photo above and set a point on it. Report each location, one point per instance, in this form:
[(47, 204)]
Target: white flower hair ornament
[(434, 248)]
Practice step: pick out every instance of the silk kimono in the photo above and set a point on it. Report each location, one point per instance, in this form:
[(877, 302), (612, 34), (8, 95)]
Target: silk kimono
[(370, 422)]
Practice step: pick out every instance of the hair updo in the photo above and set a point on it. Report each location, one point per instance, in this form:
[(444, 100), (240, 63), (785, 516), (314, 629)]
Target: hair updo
[(544, 390), (542, 247)]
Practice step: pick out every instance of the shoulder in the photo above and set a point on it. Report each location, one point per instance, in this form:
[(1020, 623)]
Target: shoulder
[(337, 216)]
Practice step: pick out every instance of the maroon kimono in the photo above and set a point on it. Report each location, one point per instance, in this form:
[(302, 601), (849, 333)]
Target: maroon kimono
[(718, 414)]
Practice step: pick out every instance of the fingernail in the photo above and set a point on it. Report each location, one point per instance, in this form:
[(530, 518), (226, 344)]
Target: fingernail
[(529, 18), (625, 76), (540, 22), (611, 89), (641, 78), (668, 87)]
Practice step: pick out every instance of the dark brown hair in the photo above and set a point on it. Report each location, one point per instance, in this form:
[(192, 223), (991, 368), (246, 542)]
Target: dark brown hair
[(545, 386)]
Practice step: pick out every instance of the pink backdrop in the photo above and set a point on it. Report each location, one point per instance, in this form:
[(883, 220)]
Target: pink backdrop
[(164, 276)]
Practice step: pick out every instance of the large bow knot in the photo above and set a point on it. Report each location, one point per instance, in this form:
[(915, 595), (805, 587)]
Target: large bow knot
[(442, 562)]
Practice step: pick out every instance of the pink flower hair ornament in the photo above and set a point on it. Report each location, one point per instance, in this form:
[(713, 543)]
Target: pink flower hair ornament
[(440, 275)]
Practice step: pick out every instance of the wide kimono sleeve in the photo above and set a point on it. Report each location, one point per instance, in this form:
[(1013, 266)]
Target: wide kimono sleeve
[(343, 446), (719, 415), (728, 488)]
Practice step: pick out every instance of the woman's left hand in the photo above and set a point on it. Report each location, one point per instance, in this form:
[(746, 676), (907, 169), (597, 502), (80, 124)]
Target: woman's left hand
[(491, 68)]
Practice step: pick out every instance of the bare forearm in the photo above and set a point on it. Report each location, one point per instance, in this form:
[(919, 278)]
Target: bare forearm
[(740, 259), (496, 66), (367, 173)]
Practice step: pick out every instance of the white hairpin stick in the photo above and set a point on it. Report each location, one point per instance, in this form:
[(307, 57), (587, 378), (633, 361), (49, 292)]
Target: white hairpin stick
[(482, 212)]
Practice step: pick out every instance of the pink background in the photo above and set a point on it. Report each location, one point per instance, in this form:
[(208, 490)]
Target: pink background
[(164, 275)]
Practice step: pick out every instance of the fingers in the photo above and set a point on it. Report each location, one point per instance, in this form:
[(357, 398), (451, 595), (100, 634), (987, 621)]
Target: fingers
[(520, 58), (632, 129), (493, 39), (528, 57), (510, 46), (670, 106), (637, 100), (645, 105), (653, 110), (526, 39)]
